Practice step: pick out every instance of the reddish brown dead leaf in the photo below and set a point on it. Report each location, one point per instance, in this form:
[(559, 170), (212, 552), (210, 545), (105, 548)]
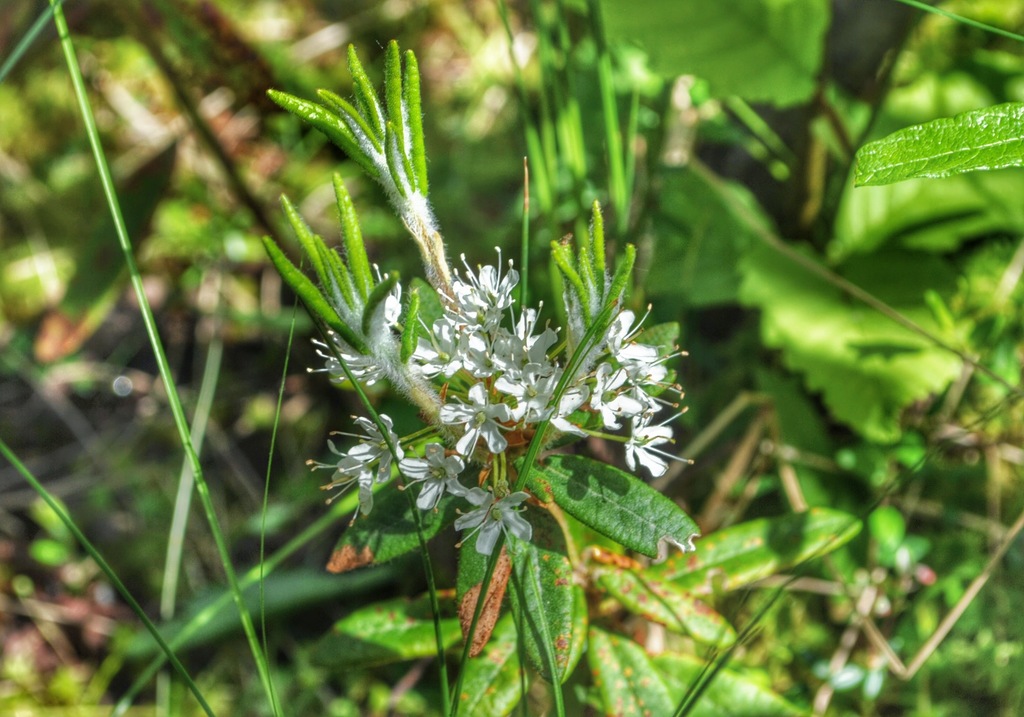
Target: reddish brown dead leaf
[(348, 558), (492, 605)]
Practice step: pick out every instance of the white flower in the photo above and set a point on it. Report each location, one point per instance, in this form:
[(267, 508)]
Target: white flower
[(532, 389), (442, 352), (483, 298), (436, 471), (571, 401), (640, 448), (365, 369), (610, 396), (480, 418), (493, 516), (374, 447)]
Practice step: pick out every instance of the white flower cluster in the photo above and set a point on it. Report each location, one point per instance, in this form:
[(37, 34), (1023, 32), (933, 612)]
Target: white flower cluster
[(495, 385)]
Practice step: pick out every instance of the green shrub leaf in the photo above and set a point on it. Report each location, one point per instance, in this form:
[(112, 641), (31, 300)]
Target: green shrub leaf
[(385, 632), (989, 138), (491, 684), (625, 677), (761, 50), (613, 502), (548, 605), (741, 554)]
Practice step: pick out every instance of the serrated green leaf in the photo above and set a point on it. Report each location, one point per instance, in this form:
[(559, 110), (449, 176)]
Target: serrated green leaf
[(730, 693), (491, 683), (665, 603), (389, 530), (741, 554), (612, 502), (761, 50), (625, 677), (867, 367), (989, 138), (383, 633), (546, 601)]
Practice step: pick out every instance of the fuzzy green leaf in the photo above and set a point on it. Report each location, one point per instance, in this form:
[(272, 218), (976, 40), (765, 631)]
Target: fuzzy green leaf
[(729, 692), (761, 50), (410, 325), (366, 96), (311, 296), (867, 367), (491, 683), (389, 531), (665, 603), (353, 120), (547, 603), (989, 138), (383, 633), (736, 556), (352, 236), (613, 503), (393, 94), (376, 298), (625, 677), (411, 96)]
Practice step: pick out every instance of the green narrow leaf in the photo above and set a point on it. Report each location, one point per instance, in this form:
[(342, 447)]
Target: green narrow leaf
[(352, 236), (491, 683), (989, 138), (739, 555), (349, 116), (545, 599), (761, 50), (310, 242), (623, 272), (665, 603), (376, 297), (625, 677), (389, 531), (414, 111), (597, 238), (383, 633), (366, 96), (410, 325), (329, 124), (613, 503), (336, 276), (729, 693), (393, 94), (396, 161), (311, 295), (563, 258)]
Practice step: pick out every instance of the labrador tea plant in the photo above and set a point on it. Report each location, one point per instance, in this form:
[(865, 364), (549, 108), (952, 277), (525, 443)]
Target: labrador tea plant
[(497, 387)]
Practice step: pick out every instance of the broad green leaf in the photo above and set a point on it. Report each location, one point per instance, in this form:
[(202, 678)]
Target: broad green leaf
[(389, 530), (730, 694), (625, 677), (761, 50), (491, 683), (867, 367), (696, 227), (990, 138), (666, 604), (935, 215), (385, 632), (547, 603), (741, 554), (613, 502)]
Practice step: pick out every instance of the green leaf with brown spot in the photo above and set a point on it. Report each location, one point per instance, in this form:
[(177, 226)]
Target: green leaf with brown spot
[(548, 605), (491, 684), (665, 603), (389, 631), (625, 677), (741, 554)]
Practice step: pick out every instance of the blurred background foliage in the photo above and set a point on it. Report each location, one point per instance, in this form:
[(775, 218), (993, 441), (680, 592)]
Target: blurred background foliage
[(741, 127)]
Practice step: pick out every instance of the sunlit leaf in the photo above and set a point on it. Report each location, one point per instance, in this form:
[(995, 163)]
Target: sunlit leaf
[(546, 600), (613, 502), (625, 677), (491, 683), (989, 138), (385, 632), (665, 603), (739, 555), (761, 50), (729, 694)]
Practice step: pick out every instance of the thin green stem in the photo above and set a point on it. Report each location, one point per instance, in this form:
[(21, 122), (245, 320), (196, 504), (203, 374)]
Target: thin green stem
[(25, 42), (154, 337), (961, 19), (166, 649)]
